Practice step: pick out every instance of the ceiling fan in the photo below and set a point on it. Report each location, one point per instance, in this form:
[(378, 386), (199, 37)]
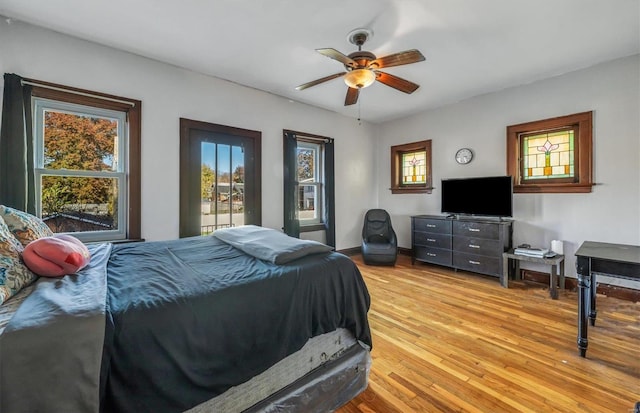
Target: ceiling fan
[(362, 68)]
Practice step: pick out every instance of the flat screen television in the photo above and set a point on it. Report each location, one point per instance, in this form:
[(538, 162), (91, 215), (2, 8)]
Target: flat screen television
[(483, 196)]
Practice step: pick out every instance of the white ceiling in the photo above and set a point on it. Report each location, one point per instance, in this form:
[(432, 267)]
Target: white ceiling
[(471, 47)]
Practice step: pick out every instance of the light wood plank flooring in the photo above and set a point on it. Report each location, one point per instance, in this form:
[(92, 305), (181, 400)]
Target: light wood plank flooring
[(458, 342)]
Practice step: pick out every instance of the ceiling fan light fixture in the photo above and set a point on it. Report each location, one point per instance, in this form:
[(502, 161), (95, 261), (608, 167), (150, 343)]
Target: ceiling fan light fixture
[(359, 78)]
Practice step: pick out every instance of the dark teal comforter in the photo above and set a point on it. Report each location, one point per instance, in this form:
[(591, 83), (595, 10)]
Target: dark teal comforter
[(189, 318)]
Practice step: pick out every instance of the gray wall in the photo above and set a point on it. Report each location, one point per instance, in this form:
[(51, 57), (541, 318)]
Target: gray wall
[(611, 213), (169, 93)]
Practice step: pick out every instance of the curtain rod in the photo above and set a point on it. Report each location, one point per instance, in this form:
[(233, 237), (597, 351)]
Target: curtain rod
[(312, 138), (59, 89)]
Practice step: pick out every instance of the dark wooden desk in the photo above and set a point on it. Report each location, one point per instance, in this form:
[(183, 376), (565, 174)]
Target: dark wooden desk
[(613, 260)]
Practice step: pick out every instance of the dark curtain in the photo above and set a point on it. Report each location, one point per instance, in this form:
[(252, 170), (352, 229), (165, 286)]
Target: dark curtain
[(329, 197), (291, 223), (16, 146)]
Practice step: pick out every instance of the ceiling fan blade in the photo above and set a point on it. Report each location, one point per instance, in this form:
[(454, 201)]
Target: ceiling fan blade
[(396, 82), (318, 81), (397, 59), (352, 96), (336, 55)]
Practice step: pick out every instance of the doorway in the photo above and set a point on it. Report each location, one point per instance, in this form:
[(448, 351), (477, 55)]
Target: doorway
[(220, 180)]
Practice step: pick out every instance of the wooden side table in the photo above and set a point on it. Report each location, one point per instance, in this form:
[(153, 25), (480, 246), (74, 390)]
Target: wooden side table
[(512, 261)]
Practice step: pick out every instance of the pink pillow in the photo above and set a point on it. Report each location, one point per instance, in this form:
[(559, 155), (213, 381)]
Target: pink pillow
[(56, 256)]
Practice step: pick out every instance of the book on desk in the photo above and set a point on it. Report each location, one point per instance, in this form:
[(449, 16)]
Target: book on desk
[(533, 252)]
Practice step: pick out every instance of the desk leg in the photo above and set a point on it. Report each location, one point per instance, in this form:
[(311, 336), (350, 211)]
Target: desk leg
[(504, 279), (593, 286), (553, 281), (561, 279), (584, 280)]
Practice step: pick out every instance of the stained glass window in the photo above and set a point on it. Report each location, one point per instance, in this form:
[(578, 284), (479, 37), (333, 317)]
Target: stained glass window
[(411, 168), (548, 155), (414, 169), (552, 155)]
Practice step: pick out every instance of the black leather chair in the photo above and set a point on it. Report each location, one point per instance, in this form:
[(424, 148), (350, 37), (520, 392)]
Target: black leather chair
[(379, 243)]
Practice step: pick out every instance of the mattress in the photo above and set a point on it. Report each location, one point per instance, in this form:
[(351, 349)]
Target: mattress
[(317, 352), (283, 377)]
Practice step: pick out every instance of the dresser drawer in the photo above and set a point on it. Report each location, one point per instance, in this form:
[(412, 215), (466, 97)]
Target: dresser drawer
[(430, 239), (440, 226), (478, 246), (476, 229), (478, 263), (434, 255)]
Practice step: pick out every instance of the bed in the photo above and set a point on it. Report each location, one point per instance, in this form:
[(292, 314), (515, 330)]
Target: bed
[(248, 320)]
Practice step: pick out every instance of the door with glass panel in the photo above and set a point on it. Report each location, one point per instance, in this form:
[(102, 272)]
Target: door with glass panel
[(220, 180), (222, 186)]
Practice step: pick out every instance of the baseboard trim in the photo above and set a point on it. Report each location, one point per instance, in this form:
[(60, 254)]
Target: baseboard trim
[(350, 251), (614, 291), (404, 251), (358, 250)]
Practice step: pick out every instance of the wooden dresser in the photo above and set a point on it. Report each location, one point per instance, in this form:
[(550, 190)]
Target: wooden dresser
[(461, 243)]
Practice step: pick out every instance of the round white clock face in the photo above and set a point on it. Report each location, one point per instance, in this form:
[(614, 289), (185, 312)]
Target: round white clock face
[(464, 156)]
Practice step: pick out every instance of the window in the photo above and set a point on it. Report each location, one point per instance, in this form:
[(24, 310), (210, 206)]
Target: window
[(411, 168), (551, 155), (548, 155), (87, 162), (309, 186), (310, 177)]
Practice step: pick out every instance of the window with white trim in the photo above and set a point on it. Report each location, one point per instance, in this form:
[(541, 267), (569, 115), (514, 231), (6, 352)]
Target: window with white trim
[(81, 169), (310, 182)]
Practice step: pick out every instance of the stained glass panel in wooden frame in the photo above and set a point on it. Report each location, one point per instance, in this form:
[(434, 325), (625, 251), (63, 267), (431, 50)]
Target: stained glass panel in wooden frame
[(548, 155), (414, 168)]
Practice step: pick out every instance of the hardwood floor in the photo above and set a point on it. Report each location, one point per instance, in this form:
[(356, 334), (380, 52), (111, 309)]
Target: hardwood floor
[(458, 342)]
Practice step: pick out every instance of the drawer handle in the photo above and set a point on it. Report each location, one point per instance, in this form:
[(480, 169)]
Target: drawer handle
[(431, 240), (474, 230), (431, 255), (474, 262), (430, 226), (474, 246)]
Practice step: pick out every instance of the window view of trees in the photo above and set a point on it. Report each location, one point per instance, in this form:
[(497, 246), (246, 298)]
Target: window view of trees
[(222, 190), (305, 164), (73, 202), (208, 180)]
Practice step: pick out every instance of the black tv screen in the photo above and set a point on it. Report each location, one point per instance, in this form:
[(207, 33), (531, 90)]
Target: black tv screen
[(484, 196)]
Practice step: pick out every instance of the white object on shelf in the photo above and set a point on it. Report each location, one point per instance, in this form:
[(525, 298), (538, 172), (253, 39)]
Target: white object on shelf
[(557, 246)]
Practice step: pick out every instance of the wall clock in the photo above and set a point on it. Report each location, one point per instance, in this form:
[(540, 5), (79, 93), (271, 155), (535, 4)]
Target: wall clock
[(464, 156)]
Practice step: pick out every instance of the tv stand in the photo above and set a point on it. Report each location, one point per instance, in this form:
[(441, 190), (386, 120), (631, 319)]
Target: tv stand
[(466, 243)]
